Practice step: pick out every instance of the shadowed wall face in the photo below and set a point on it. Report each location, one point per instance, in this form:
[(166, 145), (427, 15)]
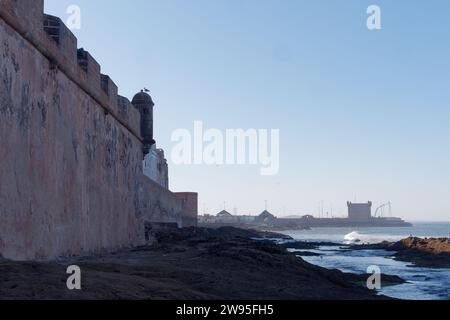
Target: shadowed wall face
[(71, 175), (189, 216), (68, 172)]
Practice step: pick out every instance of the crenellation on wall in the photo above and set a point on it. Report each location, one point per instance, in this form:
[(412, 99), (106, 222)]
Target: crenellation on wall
[(124, 106), (82, 59), (71, 175), (52, 25), (28, 19), (128, 112), (91, 70), (105, 83), (65, 40), (28, 12), (111, 90)]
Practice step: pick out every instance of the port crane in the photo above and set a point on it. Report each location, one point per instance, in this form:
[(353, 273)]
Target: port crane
[(379, 212)]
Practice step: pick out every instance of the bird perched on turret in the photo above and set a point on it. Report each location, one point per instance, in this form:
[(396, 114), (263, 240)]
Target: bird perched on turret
[(146, 90)]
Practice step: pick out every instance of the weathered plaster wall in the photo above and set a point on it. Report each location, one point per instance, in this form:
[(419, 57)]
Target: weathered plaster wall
[(156, 168), (189, 216), (158, 204), (67, 170), (71, 177)]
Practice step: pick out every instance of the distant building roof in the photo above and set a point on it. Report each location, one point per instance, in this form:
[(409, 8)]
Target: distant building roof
[(224, 213), (266, 215)]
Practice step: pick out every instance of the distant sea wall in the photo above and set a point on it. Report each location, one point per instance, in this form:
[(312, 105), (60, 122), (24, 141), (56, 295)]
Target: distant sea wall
[(71, 176)]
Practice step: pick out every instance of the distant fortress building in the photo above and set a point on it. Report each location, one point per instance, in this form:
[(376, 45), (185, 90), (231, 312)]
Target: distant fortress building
[(359, 215), (80, 171), (359, 211)]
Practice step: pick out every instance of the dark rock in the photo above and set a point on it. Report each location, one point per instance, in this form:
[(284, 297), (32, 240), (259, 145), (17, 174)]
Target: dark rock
[(187, 264), (428, 252), (308, 245)]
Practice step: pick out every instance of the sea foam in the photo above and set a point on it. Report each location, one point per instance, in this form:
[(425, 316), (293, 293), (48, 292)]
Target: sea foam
[(357, 237)]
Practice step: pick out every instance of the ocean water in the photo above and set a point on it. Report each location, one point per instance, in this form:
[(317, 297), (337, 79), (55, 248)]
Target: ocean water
[(422, 283), (373, 235)]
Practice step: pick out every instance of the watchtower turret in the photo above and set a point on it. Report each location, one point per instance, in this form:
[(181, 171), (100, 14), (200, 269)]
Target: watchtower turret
[(144, 103)]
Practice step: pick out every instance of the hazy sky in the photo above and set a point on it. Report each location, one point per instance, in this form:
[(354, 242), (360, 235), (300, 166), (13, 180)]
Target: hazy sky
[(362, 114)]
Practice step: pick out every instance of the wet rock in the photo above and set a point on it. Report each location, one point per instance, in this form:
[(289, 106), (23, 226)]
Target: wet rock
[(307, 254), (428, 252), (308, 245)]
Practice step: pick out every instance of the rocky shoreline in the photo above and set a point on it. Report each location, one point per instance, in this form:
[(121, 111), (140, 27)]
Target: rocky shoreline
[(428, 252), (188, 264)]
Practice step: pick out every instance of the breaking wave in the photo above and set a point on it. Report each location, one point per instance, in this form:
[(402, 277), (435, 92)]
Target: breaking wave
[(357, 237)]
